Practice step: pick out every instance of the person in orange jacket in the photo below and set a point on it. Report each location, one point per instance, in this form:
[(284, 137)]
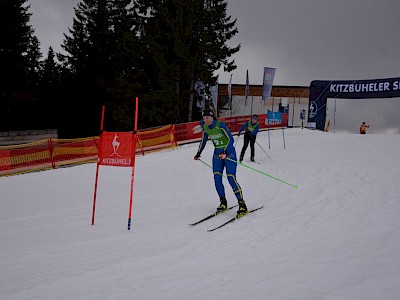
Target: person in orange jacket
[(363, 128)]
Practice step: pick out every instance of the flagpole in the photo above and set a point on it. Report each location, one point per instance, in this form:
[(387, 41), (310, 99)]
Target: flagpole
[(97, 165), (334, 118), (269, 141), (133, 161), (246, 88), (283, 132), (230, 95)]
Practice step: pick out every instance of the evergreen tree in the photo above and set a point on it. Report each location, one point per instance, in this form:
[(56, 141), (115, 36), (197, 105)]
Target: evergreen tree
[(103, 63), (126, 58), (81, 89), (119, 49), (186, 42), (19, 63), (49, 95)]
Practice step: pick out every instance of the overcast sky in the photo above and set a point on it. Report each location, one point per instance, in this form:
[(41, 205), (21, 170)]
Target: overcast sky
[(304, 40)]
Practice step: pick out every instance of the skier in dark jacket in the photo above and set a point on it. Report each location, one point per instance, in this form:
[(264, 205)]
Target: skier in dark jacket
[(222, 139), (250, 128)]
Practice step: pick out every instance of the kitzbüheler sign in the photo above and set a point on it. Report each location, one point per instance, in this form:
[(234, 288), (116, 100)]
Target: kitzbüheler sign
[(354, 89)]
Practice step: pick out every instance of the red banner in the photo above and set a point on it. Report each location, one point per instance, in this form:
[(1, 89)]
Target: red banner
[(116, 149), (193, 130)]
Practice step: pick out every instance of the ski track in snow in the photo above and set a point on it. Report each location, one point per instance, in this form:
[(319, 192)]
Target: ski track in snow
[(334, 237)]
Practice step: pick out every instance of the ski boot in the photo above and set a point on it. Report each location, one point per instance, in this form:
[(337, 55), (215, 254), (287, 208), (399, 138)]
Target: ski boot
[(242, 209), (241, 159), (223, 205)]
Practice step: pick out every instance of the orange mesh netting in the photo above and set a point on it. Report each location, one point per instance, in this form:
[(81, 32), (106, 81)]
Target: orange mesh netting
[(156, 139), (26, 157), (53, 153)]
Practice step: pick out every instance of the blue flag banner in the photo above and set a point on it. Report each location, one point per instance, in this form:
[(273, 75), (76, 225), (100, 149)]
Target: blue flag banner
[(199, 87), (214, 95), (230, 93), (274, 118), (246, 92), (268, 79)]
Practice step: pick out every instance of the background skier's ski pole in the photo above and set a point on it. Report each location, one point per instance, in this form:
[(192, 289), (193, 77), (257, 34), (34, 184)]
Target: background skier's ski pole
[(209, 166), (237, 140), (263, 149), (295, 186)]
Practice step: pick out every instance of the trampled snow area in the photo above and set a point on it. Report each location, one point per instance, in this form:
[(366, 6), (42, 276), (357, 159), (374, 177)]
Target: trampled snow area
[(337, 236)]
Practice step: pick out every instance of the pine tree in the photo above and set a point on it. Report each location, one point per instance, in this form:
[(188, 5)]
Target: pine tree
[(49, 91), (103, 63), (186, 42), (19, 63), (154, 49), (126, 58)]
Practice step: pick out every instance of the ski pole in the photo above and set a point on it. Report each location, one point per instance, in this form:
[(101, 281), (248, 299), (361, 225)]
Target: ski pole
[(239, 163), (210, 166), (237, 140), (263, 149)]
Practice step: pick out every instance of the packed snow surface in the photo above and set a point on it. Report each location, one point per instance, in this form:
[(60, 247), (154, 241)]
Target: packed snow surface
[(336, 236)]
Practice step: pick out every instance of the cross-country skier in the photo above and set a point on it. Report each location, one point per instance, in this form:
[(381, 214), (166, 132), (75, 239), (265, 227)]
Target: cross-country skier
[(250, 128), (222, 139)]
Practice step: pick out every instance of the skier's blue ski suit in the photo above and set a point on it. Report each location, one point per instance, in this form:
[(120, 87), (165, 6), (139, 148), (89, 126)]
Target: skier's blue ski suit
[(222, 139)]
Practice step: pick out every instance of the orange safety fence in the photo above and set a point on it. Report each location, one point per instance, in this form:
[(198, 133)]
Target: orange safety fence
[(26, 157), (53, 153), (192, 130), (46, 154), (156, 139), (74, 151)]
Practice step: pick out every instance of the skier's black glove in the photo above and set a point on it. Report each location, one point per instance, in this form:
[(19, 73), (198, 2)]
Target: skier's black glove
[(197, 156)]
